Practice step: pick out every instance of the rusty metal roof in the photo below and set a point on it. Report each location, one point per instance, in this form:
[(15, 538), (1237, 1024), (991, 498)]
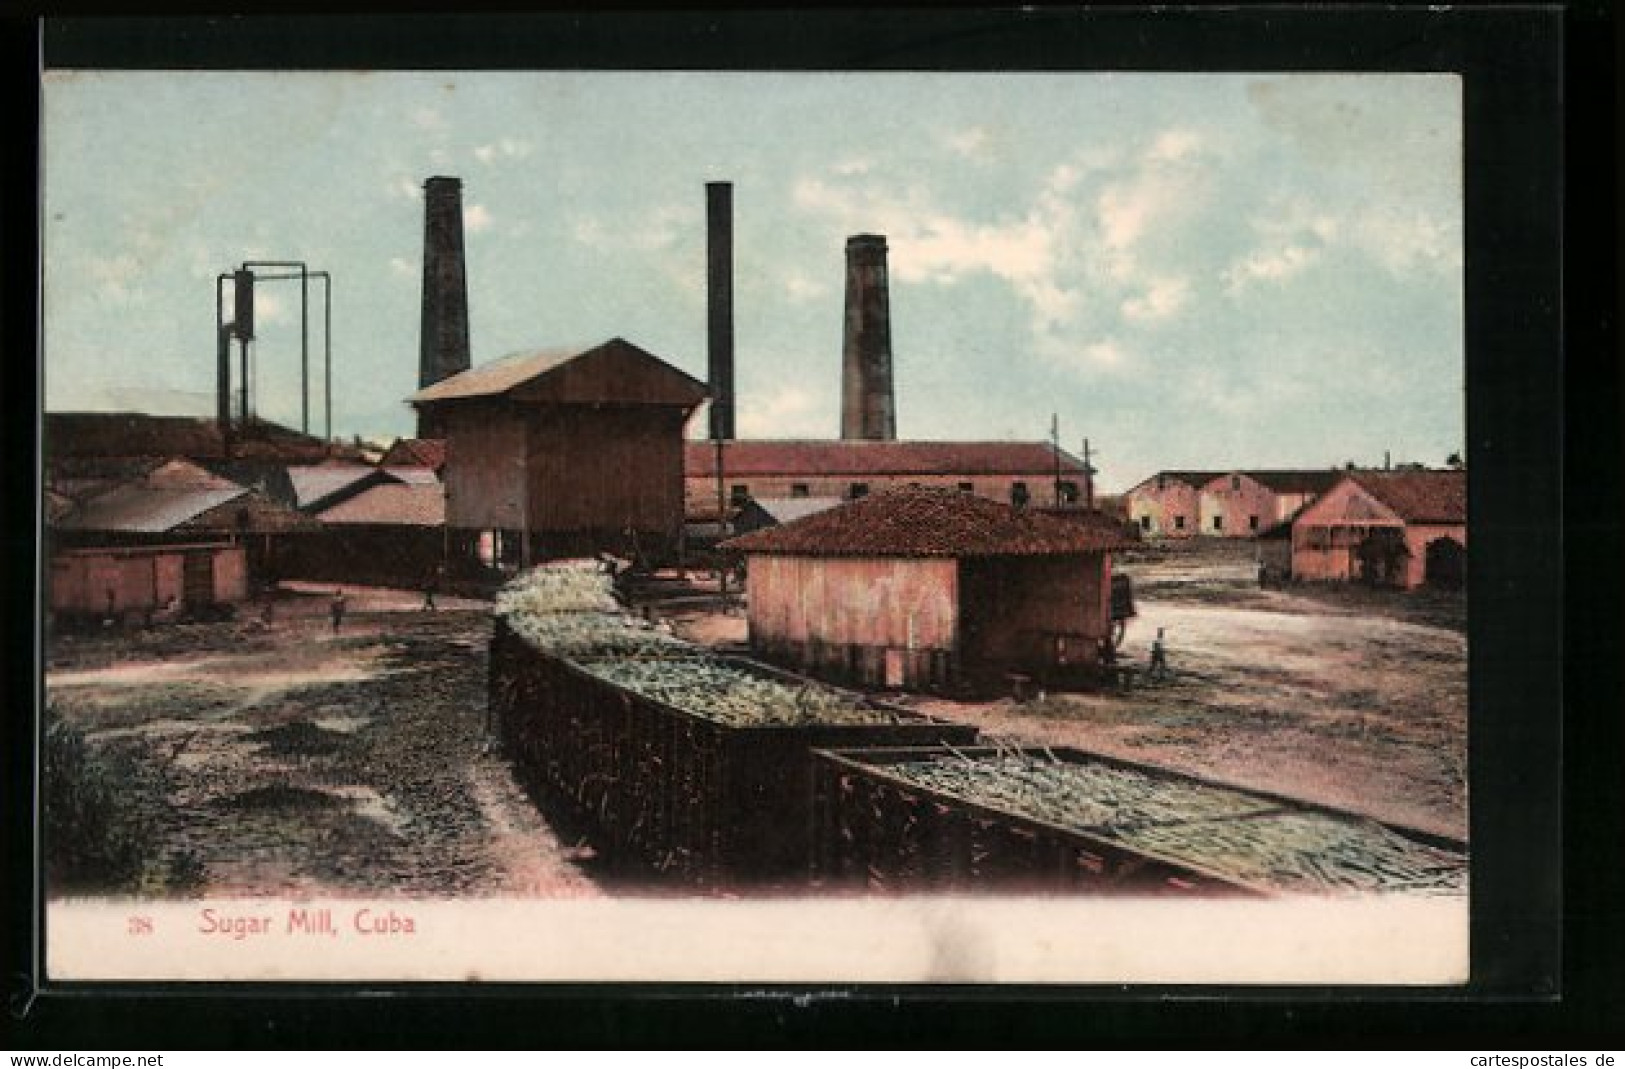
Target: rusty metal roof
[(1419, 496), (859, 458), (415, 452), (139, 509), (927, 522), (407, 505)]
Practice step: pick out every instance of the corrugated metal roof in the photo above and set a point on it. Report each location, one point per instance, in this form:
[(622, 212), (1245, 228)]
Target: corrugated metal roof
[(409, 505), (142, 509), (312, 483), (789, 509), (1419, 496), (858, 458), (927, 522), (182, 474), (413, 476)]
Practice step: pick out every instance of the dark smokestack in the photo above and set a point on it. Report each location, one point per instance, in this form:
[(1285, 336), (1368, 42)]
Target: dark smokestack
[(719, 231), (444, 342), (867, 406)]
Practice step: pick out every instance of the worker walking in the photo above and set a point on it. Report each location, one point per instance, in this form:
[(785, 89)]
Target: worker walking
[(336, 607), (1159, 657)]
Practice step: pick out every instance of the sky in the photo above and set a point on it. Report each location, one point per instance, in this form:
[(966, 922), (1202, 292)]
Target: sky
[(1192, 271)]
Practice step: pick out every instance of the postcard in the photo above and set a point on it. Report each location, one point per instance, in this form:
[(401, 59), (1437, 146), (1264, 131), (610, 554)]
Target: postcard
[(769, 527)]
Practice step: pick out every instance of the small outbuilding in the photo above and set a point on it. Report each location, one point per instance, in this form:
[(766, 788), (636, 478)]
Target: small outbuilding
[(921, 587)]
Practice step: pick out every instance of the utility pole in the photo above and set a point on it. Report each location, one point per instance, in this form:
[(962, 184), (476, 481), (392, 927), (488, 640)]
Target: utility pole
[(1055, 454), (1088, 477)]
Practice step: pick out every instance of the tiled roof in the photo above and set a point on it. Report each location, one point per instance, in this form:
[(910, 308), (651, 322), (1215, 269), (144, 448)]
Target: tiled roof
[(1304, 481), (415, 453), (926, 522), (1193, 479), (392, 503), (857, 458), (1419, 496), (138, 509)]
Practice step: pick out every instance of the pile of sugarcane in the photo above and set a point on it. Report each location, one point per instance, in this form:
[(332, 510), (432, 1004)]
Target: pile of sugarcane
[(731, 694), (1246, 838), (561, 586), (590, 635)]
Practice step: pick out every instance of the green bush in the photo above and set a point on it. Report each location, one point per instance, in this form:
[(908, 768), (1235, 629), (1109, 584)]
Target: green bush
[(95, 838)]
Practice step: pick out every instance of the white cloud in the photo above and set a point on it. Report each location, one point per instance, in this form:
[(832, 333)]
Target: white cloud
[(1161, 298), (801, 287), (477, 217), (786, 412), (403, 187), (654, 230), (972, 143), (1270, 265), (403, 267), (428, 119), (507, 148), (114, 276), (854, 165)]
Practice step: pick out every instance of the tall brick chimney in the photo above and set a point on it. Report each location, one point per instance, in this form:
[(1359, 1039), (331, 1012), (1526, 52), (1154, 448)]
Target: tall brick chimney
[(444, 349), (868, 409), (719, 321)]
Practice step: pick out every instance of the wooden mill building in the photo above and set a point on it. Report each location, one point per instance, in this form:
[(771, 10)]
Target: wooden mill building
[(923, 587), (564, 452)]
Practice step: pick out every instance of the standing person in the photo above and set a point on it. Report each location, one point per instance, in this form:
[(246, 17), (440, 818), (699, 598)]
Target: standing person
[(336, 607), (431, 583), (1159, 657)]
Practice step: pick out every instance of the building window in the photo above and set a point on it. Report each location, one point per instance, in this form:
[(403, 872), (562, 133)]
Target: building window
[(967, 488), (1218, 523), (738, 494), (1235, 482), (1145, 523), (1179, 523), (1069, 493), (857, 490), (1252, 523), (1018, 494), (798, 490)]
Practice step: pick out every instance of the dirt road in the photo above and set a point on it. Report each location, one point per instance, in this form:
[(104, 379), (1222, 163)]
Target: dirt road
[(293, 760)]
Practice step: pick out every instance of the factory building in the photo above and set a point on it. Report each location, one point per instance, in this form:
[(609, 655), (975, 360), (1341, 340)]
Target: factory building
[(926, 587), (564, 452), (1015, 473), (1387, 528)]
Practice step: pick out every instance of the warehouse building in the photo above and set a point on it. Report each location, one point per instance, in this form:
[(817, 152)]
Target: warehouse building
[(1222, 504), (563, 453), (1015, 473), (926, 587), (1386, 528)]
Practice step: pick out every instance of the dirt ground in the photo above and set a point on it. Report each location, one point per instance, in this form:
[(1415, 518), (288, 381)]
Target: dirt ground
[(294, 760), (1338, 695)]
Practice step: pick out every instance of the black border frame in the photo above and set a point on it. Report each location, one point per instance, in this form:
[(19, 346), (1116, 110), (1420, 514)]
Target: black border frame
[(1514, 66)]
